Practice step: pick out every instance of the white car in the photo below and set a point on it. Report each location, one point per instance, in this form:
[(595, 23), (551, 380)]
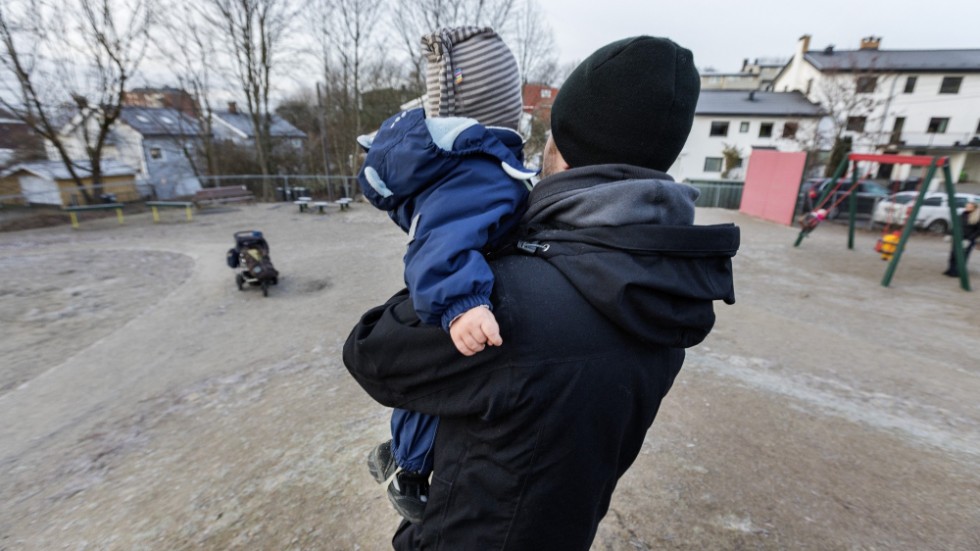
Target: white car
[(933, 214)]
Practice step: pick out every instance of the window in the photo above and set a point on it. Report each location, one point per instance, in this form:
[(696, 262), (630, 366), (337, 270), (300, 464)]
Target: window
[(744, 127), (719, 128), (937, 125), (156, 153), (765, 130), (545, 92), (856, 124), (866, 85), (932, 202), (789, 130), (951, 85), (712, 164), (961, 201), (910, 85)]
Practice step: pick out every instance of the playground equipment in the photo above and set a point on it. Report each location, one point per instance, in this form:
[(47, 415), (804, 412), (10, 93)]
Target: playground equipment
[(810, 221)]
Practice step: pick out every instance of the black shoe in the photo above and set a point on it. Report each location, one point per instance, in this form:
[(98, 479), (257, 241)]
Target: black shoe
[(949, 273), (381, 462), (408, 493)]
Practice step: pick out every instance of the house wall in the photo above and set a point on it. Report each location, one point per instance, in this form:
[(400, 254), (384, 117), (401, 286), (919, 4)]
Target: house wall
[(169, 170), (38, 190), (10, 193), (701, 145)]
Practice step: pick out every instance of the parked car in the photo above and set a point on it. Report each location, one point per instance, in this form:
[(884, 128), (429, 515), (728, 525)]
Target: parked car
[(869, 193), (933, 214)]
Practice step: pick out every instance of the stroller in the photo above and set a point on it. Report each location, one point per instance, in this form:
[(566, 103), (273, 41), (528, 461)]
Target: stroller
[(251, 258)]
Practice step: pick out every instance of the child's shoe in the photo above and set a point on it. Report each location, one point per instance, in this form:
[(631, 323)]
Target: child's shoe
[(381, 462), (409, 493)]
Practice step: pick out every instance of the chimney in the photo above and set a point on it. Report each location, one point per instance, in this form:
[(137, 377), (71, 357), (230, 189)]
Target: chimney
[(829, 50), (804, 43), (870, 42), (752, 95), (232, 108)]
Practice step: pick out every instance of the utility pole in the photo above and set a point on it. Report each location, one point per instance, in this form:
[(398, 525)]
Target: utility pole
[(323, 141)]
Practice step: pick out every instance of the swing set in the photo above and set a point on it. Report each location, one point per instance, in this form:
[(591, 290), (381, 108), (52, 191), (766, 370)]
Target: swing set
[(810, 221)]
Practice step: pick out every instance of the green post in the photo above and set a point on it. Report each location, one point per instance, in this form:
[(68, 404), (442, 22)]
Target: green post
[(852, 207), (909, 225), (823, 196), (957, 230)]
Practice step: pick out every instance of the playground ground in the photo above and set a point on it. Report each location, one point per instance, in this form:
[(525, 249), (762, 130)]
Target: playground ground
[(148, 404)]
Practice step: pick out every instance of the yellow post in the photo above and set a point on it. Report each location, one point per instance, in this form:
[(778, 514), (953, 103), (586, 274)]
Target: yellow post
[(119, 215), (188, 207), (156, 215), (74, 219)]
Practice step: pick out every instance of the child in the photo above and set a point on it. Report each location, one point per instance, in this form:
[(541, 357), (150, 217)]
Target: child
[(452, 177)]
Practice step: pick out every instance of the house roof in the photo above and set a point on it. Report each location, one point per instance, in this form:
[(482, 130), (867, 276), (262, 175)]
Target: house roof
[(738, 102), (242, 122), (895, 60), (56, 170), (159, 121)]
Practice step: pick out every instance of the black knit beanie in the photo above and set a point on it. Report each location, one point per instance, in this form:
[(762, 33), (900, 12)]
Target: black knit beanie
[(629, 102)]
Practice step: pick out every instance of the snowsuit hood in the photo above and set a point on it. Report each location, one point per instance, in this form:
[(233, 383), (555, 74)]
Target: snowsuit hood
[(645, 267)]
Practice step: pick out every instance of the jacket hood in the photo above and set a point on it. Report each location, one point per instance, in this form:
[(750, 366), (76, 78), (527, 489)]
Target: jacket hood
[(623, 236), (410, 153)]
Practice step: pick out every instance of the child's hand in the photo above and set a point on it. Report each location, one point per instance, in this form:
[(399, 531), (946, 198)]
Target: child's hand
[(474, 330)]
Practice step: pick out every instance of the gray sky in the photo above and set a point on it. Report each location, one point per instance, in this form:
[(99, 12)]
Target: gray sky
[(722, 33)]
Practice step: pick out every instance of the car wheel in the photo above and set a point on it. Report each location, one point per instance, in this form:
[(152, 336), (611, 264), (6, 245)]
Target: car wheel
[(937, 227)]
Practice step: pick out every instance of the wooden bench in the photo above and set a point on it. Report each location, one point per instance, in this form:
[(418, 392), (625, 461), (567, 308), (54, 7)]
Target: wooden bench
[(81, 208), (221, 195), (154, 205), (344, 203)]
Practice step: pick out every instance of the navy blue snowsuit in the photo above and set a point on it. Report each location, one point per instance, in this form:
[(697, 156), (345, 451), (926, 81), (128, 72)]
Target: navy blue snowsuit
[(457, 188)]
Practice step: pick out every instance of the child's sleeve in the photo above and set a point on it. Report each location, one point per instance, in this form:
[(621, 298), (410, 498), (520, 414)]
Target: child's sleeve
[(445, 269)]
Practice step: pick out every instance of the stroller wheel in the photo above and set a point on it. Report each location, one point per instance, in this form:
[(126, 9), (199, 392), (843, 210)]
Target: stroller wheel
[(265, 288), (240, 281)]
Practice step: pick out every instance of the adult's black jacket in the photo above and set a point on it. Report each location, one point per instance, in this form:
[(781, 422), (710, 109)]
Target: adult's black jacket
[(609, 283)]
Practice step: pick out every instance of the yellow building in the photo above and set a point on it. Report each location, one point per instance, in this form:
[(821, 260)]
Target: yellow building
[(50, 183)]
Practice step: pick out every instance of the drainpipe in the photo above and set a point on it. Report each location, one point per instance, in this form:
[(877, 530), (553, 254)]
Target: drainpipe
[(884, 115)]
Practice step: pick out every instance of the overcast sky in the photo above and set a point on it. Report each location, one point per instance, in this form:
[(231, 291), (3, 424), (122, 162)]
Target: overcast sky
[(721, 33)]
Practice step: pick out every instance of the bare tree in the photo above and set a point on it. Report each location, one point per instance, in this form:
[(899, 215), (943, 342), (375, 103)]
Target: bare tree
[(82, 51), (352, 56), (188, 48), (533, 43), (252, 36)]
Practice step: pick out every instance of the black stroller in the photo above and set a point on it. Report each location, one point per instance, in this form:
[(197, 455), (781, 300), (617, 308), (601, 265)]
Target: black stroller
[(251, 258)]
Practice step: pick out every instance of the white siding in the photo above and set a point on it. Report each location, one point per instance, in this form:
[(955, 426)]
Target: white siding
[(701, 145)]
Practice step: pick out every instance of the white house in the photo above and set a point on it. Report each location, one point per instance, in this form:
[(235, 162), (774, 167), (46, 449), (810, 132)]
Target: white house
[(924, 102), (743, 120), (159, 142)]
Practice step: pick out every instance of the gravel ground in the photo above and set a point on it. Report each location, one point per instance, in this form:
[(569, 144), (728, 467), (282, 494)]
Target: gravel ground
[(149, 404)]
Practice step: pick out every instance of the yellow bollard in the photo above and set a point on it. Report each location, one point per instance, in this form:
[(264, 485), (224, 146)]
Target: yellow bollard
[(156, 215), (188, 207), (74, 219), (119, 215)]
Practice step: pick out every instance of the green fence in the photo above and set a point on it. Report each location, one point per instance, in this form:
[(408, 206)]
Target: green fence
[(724, 194)]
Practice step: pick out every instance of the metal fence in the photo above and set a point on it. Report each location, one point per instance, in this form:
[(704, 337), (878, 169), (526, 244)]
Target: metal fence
[(288, 187), (123, 192), (725, 194)]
